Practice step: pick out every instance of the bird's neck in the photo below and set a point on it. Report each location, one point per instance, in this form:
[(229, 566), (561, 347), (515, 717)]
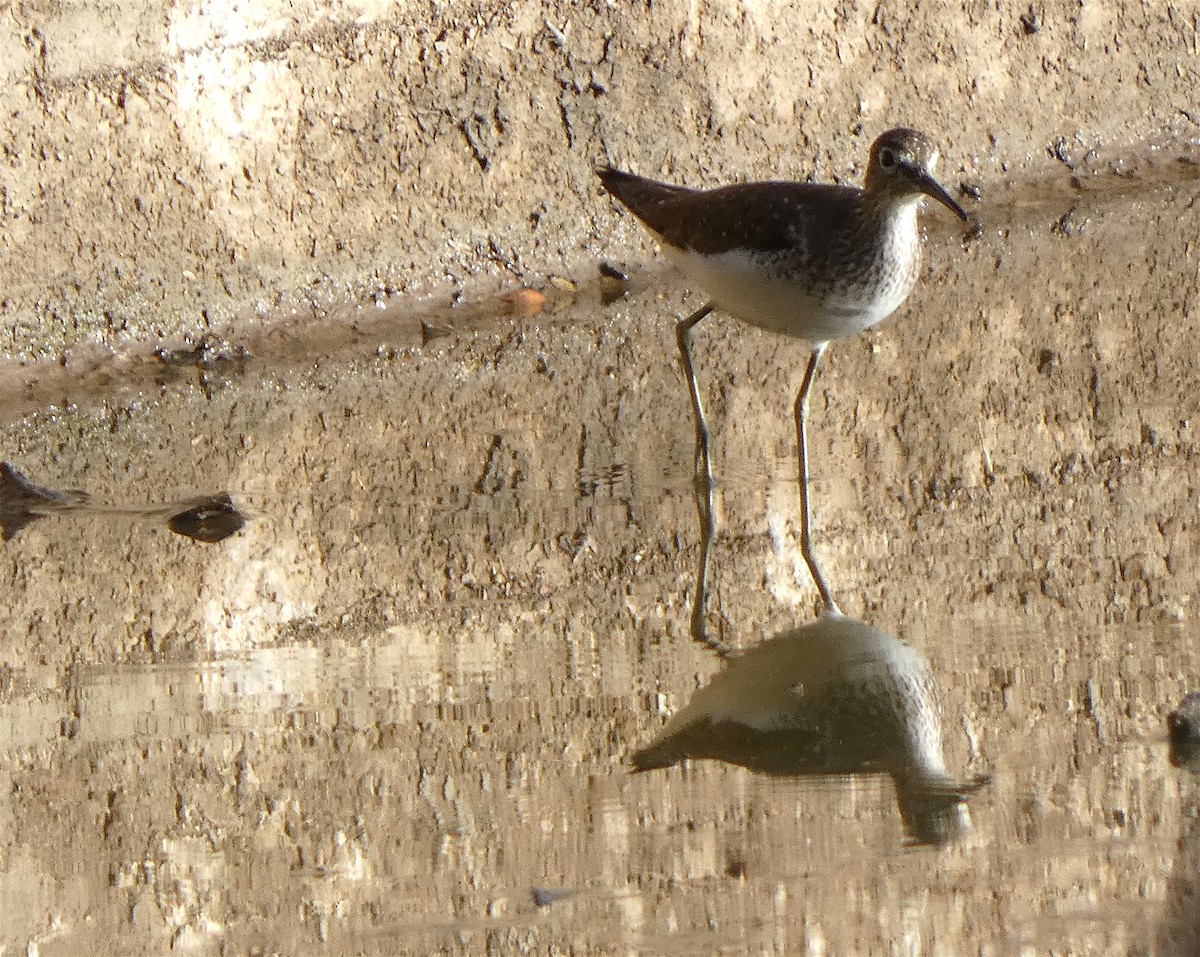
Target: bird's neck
[(889, 223), (887, 212)]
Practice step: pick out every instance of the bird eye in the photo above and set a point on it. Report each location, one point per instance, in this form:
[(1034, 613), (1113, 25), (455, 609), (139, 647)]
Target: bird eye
[(887, 159)]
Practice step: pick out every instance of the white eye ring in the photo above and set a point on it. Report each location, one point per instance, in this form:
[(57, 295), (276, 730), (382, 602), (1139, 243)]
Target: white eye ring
[(887, 159)]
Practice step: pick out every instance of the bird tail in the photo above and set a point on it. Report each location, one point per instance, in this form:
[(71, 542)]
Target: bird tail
[(646, 198)]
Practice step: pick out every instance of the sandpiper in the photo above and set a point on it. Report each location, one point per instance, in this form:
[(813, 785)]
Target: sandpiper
[(811, 260)]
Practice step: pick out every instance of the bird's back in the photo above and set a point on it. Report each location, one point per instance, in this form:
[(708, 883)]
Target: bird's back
[(763, 217), (806, 259)]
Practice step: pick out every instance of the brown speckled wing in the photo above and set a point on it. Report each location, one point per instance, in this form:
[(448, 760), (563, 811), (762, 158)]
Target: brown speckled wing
[(765, 217)]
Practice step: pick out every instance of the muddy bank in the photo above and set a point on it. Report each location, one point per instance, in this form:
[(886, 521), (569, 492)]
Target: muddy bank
[(226, 168)]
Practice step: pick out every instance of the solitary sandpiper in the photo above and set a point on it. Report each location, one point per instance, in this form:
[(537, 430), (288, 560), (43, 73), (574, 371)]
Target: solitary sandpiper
[(810, 260)]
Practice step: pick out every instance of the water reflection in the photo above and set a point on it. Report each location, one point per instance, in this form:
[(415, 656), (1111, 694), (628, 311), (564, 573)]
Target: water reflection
[(1179, 933), (202, 518), (1183, 729), (833, 697)]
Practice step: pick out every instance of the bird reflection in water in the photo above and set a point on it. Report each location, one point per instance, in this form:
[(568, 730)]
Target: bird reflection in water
[(832, 697)]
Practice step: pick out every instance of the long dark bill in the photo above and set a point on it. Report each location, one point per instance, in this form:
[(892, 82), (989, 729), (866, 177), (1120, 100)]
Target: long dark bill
[(931, 187)]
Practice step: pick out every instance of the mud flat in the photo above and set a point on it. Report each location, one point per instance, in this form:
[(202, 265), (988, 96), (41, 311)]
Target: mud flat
[(221, 167), (394, 711)]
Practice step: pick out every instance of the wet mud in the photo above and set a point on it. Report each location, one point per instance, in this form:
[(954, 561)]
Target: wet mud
[(214, 170), (400, 709)]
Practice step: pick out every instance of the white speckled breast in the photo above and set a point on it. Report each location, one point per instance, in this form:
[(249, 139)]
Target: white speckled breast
[(839, 295)]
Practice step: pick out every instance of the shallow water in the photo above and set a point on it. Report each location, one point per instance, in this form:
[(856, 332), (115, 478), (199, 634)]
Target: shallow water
[(395, 712)]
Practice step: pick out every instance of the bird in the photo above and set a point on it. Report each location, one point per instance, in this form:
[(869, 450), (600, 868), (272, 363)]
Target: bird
[(833, 697), (814, 261)]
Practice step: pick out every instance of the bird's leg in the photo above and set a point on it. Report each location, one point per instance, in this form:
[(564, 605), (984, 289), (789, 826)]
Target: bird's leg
[(806, 546), (700, 601), (704, 482), (683, 336)]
